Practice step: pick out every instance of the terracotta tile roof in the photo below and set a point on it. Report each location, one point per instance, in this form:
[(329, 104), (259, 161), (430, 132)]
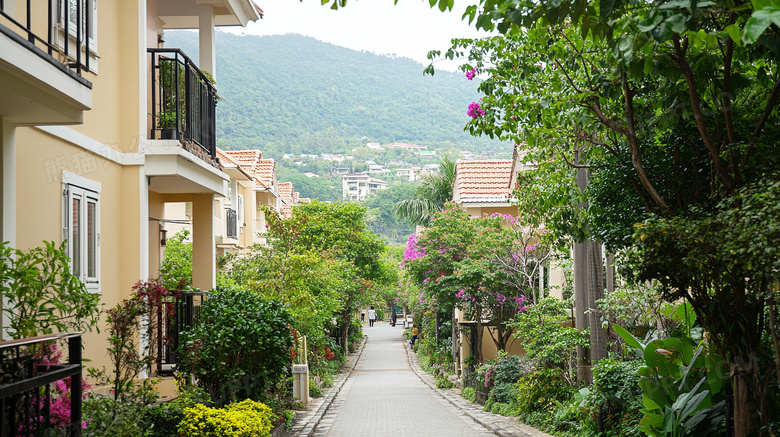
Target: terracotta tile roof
[(296, 197), (482, 181), (304, 200), (252, 162), (286, 191), (286, 211), (245, 158), (265, 172)]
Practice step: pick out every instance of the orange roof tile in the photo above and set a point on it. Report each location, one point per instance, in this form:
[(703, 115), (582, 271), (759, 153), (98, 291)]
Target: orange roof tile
[(286, 191), (486, 181), (266, 172), (304, 200), (286, 211)]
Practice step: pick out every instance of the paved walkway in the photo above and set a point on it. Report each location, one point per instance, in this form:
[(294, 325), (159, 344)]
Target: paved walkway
[(384, 392)]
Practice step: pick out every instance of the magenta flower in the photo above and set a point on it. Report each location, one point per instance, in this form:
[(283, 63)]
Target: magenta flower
[(475, 110), (470, 74)]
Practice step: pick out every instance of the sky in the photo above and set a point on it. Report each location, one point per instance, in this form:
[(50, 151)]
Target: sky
[(409, 29)]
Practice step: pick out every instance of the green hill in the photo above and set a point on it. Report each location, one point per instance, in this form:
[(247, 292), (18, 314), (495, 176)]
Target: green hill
[(292, 93)]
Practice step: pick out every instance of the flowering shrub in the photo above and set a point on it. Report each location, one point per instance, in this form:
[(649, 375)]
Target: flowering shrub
[(475, 110), (471, 73), (243, 419)]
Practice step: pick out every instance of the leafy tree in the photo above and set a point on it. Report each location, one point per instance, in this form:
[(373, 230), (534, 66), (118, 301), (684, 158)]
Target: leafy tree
[(176, 268), (379, 212), (430, 197), (672, 107)]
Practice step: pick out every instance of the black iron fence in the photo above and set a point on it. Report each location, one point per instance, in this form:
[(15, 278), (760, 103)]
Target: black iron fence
[(184, 100), (26, 393), (64, 38), (185, 312), (231, 222)]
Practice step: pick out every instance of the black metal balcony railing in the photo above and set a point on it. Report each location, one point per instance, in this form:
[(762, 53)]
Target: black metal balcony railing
[(231, 222), (184, 100), (72, 46), (25, 387), (185, 315)]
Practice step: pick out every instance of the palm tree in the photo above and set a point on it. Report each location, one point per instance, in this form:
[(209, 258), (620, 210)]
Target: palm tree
[(430, 197)]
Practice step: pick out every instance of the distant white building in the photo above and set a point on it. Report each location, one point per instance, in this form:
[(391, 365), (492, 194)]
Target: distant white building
[(341, 170), (311, 175), (376, 168), (405, 174), (357, 186), (374, 146)]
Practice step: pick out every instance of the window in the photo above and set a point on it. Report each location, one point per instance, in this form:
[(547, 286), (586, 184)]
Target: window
[(81, 227), (69, 11)]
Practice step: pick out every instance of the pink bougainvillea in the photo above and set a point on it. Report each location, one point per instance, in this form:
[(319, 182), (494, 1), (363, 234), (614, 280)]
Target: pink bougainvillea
[(413, 251), (475, 110), (471, 73)]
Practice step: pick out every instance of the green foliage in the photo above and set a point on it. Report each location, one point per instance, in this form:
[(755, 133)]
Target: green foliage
[(242, 419), (240, 345), (380, 218), (40, 294), (470, 393), (541, 391), (176, 267), (546, 338), (110, 416), (682, 390), (443, 383), (106, 416), (315, 391), (162, 420), (429, 197), (123, 322)]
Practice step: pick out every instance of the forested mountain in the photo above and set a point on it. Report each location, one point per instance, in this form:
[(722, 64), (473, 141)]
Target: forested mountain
[(295, 94)]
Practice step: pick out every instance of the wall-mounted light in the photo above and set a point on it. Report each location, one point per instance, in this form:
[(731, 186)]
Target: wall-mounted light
[(163, 236)]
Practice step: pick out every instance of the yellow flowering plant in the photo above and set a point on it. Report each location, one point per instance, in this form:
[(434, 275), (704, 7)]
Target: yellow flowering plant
[(247, 418)]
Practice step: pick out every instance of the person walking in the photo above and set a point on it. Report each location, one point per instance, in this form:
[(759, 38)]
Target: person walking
[(371, 317), (414, 336), (393, 318)]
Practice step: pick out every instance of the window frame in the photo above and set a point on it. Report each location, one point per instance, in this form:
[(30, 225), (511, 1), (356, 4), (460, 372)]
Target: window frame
[(86, 191), (63, 13)]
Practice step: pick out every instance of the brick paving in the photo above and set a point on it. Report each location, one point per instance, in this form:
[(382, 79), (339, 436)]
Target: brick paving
[(383, 392)]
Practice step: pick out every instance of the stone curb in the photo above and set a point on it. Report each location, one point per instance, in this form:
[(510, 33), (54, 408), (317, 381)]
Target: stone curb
[(465, 406), (311, 426)]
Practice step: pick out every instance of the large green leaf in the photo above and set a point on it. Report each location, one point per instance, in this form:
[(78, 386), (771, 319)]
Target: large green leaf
[(759, 22)]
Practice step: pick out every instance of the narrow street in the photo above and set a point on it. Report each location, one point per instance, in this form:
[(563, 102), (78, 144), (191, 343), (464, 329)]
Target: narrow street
[(383, 396), (384, 392)]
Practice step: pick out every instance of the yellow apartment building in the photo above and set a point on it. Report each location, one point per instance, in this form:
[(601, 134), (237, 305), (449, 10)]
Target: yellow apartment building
[(101, 126)]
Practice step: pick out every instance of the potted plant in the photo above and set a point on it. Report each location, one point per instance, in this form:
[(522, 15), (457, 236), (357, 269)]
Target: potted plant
[(166, 123)]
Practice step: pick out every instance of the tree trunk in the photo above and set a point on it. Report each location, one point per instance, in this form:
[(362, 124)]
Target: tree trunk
[(747, 386), (581, 291), (595, 266)]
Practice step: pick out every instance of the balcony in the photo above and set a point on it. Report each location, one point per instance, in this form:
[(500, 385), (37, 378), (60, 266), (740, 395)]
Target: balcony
[(183, 102), (43, 55)]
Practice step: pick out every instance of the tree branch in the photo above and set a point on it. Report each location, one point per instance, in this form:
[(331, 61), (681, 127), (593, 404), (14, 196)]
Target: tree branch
[(636, 156), (727, 106), (770, 105), (682, 64)]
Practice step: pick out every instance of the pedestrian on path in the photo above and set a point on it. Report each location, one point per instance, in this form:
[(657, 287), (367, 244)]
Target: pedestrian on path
[(393, 318), (371, 317), (414, 336)]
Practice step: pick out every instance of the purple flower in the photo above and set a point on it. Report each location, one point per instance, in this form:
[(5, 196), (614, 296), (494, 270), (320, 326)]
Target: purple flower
[(470, 74), (475, 110), (426, 280)]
